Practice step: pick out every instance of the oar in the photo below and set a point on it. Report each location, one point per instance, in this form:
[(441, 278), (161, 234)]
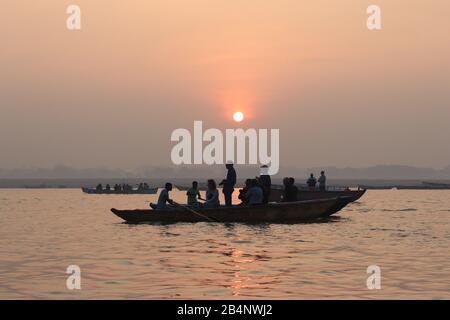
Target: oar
[(195, 212)]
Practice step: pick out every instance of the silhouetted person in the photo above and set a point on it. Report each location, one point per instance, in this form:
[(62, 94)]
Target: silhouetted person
[(265, 182), (99, 187), (311, 182), (243, 192), (108, 187), (255, 194), (192, 194), (212, 195), (322, 181), (163, 198), (290, 190), (228, 184)]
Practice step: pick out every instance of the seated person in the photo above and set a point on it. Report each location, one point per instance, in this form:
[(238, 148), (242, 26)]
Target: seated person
[(255, 194), (243, 191), (290, 190), (163, 198), (212, 195), (192, 194)]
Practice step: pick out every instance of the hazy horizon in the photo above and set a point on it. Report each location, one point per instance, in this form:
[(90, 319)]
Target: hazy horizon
[(383, 172), (112, 93)]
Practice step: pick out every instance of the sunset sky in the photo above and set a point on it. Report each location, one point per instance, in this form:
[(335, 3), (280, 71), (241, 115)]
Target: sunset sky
[(112, 93)]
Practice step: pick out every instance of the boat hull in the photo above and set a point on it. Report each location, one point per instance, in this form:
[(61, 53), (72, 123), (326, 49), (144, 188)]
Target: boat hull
[(289, 212)]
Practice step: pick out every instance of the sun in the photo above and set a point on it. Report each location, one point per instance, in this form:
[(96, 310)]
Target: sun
[(238, 116)]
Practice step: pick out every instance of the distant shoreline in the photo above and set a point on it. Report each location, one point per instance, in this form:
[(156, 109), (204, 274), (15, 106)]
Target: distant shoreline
[(69, 183)]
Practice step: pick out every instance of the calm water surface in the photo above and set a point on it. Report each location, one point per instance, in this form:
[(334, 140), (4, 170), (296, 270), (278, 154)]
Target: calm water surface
[(406, 233)]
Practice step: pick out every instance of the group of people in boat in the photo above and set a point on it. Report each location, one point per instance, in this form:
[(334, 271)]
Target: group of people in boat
[(121, 187), (255, 191), (211, 199)]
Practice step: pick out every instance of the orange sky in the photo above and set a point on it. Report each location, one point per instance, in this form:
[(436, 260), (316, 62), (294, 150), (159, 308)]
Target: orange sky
[(111, 93)]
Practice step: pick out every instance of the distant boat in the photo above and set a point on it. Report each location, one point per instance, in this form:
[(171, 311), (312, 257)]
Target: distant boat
[(368, 187), (423, 186), (112, 191), (436, 184), (283, 212)]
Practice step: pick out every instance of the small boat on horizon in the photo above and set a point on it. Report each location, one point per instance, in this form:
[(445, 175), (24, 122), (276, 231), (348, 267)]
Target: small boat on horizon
[(112, 191), (279, 212), (436, 184), (422, 186)]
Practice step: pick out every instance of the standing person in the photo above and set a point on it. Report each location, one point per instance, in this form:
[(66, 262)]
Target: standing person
[(163, 198), (322, 181), (265, 182), (192, 194), (311, 182), (212, 195), (228, 184)]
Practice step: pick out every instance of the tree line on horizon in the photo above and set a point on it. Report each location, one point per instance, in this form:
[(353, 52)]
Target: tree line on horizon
[(204, 171)]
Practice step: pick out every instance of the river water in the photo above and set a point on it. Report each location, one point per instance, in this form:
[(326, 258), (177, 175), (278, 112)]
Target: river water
[(406, 233)]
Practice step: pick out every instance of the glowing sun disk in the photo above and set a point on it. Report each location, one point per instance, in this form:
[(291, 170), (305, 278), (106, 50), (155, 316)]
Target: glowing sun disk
[(238, 116)]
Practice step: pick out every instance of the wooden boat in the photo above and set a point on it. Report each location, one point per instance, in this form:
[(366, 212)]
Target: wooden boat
[(277, 192), (112, 191), (341, 203), (283, 212), (423, 186), (437, 185), (380, 187)]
